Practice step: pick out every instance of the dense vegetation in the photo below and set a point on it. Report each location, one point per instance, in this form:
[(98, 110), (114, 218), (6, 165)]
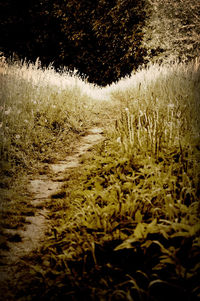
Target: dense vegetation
[(172, 30), (131, 231), (105, 40), (40, 110), (127, 224), (101, 39)]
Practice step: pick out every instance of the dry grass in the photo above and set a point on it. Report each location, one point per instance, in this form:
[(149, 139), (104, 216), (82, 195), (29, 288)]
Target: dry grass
[(162, 107), (128, 228), (41, 111)]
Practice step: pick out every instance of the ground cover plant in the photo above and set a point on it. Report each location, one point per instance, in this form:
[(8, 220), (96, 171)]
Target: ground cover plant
[(41, 114), (130, 229)]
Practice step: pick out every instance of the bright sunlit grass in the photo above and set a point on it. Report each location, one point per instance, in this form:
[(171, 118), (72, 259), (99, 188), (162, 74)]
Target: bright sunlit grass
[(161, 107), (41, 107)]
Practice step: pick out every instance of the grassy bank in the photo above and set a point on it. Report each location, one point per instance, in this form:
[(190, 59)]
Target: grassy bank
[(42, 113), (128, 228), (39, 110)]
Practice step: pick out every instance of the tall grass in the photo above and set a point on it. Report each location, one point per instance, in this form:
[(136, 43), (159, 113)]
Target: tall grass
[(41, 109), (162, 108), (42, 113), (130, 230)]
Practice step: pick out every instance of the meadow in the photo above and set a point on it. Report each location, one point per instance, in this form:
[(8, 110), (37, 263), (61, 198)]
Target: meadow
[(42, 113), (128, 226)]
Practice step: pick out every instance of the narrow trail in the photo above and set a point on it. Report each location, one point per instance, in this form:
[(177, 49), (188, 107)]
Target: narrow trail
[(41, 189)]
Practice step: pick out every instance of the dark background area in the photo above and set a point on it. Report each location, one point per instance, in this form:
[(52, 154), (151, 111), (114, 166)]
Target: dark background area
[(101, 39)]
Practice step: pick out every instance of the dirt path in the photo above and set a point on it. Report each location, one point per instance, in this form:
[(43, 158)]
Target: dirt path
[(41, 189)]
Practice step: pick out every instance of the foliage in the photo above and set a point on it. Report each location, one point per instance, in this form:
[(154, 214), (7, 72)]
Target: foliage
[(128, 228), (105, 40), (28, 31), (101, 39), (41, 114), (103, 34), (172, 30)]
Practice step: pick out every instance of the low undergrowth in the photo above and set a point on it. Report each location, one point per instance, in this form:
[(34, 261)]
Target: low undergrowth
[(129, 232), (128, 226)]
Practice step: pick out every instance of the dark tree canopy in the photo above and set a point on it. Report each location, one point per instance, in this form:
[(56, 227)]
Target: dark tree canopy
[(28, 30), (102, 39)]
